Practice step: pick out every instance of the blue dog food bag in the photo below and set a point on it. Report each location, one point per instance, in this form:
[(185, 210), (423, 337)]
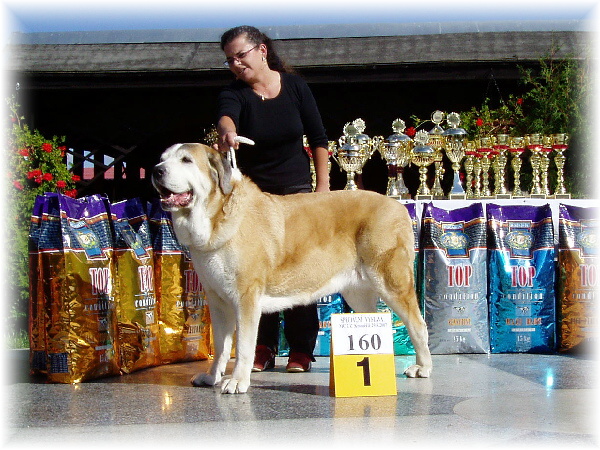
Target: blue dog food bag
[(521, 278), (455, 279)]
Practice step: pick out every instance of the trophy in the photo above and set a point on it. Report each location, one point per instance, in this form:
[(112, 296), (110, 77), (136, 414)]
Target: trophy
[(560, 145), (485, 150), (422, 155), (470, 158), (396, 151), (455, 150), (436, 141), (353, 153), (500, 150), (545, 164), (534, 143), (516, 147)]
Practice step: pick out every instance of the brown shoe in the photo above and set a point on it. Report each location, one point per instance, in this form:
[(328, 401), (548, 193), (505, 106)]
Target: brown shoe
[(264, 358), (298, 362)]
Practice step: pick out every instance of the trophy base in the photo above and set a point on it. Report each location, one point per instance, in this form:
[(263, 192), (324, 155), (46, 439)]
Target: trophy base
[(423, 197), (457, 196), (561, 196), (503, 196), (542, 196)]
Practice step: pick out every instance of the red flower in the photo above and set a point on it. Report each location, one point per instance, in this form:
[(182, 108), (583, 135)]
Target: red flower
[(61, 184), (38, 179), (71, 193), (18, 185), (24, 152), (411, 131), (479, 122), (520, 101), (75, 178), (47, 177), (47, 147), (34, 174)]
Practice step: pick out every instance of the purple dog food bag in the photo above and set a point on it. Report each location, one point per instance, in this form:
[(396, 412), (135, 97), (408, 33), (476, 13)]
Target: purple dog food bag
[(455, 279)]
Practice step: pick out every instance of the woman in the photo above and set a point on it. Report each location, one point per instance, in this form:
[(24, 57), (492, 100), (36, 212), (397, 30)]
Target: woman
[(274, 108)]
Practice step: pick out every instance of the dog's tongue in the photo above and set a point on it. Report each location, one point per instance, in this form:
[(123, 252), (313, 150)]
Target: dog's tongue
[(180, 200)]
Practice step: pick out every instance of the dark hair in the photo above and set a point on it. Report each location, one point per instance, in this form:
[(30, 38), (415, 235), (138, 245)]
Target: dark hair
[(256, 37)]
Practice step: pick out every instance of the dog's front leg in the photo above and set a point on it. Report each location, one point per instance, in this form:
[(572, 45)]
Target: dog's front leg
[(222, 318), (248, 316)]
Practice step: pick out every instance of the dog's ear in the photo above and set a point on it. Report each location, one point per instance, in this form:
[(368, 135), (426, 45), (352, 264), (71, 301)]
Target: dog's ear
[(220, 171)]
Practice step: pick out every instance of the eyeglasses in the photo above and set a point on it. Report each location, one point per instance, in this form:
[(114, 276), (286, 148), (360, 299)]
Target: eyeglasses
[(241, 55)]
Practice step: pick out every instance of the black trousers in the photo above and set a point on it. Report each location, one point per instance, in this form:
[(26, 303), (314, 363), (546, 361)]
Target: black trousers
[(301, 323), (300, 326)]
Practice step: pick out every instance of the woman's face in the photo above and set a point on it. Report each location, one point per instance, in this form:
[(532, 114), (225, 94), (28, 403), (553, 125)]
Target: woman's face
[(245, 58)]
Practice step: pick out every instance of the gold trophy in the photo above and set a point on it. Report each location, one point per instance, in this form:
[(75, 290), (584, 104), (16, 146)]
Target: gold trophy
[(352, 154), (485, 150), (396, 151), (422, 155), (534, 143), (470, 158), (516, 147), (455, 150), (560, 145), (436, 141), (545, 164), (500, 149)]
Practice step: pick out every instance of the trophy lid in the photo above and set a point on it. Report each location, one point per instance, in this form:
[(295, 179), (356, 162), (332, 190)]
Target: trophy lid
[(398, 126), (437, 117), (453, 120), (421, 140)]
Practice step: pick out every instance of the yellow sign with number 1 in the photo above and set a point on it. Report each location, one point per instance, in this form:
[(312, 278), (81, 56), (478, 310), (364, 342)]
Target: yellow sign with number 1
[(362, 355)]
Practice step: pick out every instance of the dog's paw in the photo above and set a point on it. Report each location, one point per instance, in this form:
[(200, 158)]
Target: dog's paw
[(417, 371), (234, 386), (204, 379)]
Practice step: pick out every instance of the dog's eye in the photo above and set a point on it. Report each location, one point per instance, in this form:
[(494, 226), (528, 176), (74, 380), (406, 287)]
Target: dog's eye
[(186, 159)]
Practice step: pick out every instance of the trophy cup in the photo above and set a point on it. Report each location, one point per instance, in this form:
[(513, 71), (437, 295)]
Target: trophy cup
[(560, 145), (470, 158), (422, 155), (545, 164), (534, 143), (351, 155), (485, 150), (516, 147), (436, 141), (455, 150), (395, 150), (500, 149)]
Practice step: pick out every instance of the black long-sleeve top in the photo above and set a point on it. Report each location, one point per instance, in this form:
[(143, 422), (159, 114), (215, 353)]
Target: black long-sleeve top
[(278, 160)]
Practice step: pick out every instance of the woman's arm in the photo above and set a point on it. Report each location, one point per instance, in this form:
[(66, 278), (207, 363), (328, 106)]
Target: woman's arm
[(321, 159)]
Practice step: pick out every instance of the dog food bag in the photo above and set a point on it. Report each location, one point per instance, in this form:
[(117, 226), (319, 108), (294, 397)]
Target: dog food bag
[(455, 279), (184, 318), (37, 306), (521, 278), (577, 263), (78, 264), (137, 310), (326, 306)]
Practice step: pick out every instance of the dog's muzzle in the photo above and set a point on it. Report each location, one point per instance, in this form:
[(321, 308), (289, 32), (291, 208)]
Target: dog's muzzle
[(168, 199)]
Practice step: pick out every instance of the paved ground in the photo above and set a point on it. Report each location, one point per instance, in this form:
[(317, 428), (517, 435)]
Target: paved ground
[(521, 400)]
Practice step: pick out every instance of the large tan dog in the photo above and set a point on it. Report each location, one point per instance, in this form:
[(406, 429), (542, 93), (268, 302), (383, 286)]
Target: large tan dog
[(255, 252)]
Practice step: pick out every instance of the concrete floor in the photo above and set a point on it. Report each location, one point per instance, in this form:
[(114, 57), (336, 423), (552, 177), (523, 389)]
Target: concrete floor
[(508, 400)]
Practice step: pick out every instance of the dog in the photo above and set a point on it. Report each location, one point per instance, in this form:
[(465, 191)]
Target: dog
[(257, 253)]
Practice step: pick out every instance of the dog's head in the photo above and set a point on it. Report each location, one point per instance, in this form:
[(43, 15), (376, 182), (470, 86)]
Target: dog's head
[(188, 174)]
